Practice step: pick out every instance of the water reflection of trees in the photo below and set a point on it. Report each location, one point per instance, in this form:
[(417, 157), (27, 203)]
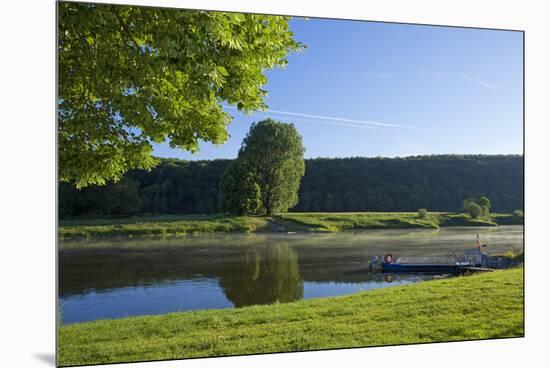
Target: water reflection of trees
[(249, 274), (264, 274)]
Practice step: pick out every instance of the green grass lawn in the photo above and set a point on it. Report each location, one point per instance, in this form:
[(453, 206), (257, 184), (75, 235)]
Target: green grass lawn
[(161, 226), (392, 220), (361, 220), (175, 225), (480, 306)]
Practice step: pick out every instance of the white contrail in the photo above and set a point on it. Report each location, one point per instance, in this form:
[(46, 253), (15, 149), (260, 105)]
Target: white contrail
[(345, 120), (485, 84), (334, 123), (331, 118)]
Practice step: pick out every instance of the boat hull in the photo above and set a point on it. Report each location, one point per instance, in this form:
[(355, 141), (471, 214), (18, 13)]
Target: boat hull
[(396, 267)]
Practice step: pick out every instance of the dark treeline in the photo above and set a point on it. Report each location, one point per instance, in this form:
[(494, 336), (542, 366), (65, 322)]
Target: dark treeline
[(438, 183)]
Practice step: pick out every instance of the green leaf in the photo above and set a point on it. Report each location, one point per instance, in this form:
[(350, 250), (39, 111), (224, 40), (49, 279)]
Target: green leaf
[(222, 71), (238, 17)]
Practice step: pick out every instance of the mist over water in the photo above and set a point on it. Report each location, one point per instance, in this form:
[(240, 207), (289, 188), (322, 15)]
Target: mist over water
[(115, 278)]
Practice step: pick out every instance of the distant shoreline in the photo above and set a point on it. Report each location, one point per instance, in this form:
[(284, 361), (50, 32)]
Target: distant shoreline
[(182, 225)]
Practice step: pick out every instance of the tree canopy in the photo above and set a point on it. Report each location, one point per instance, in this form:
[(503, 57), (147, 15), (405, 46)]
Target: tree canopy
[(472, 208), (438, 183), (477, 208), (273, 154), (241, 194), (130, 76)]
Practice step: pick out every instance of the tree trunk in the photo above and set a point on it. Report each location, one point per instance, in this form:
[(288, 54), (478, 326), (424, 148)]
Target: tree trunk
[(267, 202)]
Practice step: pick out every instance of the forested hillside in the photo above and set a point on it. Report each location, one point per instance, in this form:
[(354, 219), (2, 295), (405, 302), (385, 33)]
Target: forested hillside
[(438, 183)]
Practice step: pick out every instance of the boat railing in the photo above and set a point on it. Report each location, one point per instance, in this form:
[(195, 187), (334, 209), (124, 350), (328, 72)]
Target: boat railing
[(440, 260), (460, 257)]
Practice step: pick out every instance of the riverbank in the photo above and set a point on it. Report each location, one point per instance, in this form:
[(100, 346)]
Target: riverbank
[(162, 226), (480, 306), (175, 225), (332, 222)]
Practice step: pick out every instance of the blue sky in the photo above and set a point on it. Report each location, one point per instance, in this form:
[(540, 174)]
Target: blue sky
[(380, 89)]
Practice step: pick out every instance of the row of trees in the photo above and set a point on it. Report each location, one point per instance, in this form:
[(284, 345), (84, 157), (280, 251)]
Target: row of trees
[(438, 182)]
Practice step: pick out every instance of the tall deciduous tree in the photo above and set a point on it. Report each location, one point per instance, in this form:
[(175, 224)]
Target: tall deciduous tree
[(130, 76), (472, 208), (273, 152), (485, 205), (241, 193), (478, 208)]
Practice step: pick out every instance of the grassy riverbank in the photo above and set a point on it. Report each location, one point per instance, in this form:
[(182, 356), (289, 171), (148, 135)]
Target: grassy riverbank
[(161, 226), (393, 220), (294, 221), (480, 306)]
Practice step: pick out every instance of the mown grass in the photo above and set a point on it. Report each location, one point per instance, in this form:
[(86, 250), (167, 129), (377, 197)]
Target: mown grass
[(293, 221), (392, 220), (480, 306), (160, 226), (347, 221)]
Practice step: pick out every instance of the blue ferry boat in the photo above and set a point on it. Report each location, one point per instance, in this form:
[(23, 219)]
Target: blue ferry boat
[(453, 262)]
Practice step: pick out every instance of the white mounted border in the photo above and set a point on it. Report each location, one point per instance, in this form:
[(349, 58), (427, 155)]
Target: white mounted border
[(28, 180)]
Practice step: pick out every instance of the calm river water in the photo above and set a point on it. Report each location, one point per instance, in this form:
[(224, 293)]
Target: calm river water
[(103, 279)]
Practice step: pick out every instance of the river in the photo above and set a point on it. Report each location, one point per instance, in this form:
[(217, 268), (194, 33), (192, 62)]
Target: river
[(115, 278)]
